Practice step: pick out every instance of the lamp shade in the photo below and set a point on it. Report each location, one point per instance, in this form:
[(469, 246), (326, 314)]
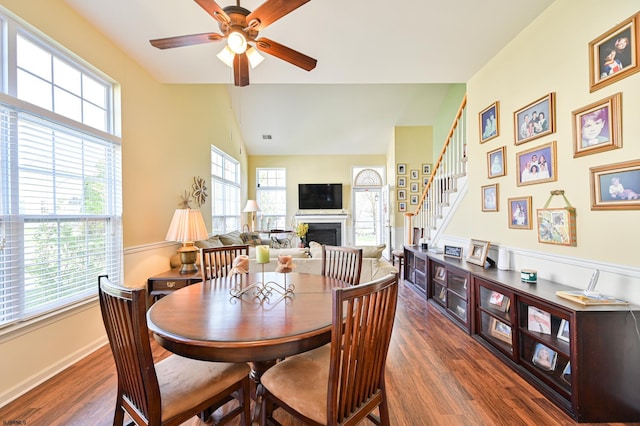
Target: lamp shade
[(252, 206), (187, 225)]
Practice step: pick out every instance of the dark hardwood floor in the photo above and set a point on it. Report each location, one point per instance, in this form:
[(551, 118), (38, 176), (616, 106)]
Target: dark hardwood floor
[(436, 375)]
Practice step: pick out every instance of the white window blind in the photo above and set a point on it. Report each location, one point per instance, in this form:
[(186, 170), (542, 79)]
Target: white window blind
[(60, 180), (225, 192)]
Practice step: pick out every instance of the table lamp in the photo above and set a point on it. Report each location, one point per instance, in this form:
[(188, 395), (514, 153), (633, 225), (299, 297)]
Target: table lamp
[(186, 227), (252, 207)]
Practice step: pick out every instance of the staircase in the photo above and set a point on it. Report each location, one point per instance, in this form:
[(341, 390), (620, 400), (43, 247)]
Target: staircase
[(446, 186)]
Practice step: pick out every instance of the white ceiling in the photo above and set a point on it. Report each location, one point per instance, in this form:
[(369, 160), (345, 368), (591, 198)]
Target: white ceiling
[(381, 64)]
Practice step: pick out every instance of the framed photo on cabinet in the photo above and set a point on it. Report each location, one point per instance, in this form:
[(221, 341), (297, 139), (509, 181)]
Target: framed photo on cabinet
[(614, 55), (477, 252), (563, 331), (489, 121), (500, 330), (535, 120), (597, 127)]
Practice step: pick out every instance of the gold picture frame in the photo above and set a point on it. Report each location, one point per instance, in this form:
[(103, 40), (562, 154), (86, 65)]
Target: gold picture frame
[(520, 213), (500, 330), (623, 40), (538, 156), (490, 198), (616, 186), (489, 122), (597, 127), (496, 165), (535, 120)]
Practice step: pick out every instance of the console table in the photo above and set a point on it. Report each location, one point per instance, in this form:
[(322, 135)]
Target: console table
[(585, 359), (168, 282)]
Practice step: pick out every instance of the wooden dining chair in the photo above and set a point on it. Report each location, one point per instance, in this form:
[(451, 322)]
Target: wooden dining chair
[(217, 262), (343, 263), (176, 388), (341, 383)]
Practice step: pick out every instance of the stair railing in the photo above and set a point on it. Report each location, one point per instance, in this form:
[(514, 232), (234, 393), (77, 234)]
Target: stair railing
[(450, 165)]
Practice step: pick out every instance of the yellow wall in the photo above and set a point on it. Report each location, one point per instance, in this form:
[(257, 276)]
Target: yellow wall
[(551, 55), (167, 131), (413, 146), (316, 169)]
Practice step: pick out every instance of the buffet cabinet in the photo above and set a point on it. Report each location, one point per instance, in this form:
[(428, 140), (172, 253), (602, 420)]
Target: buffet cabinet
[(585, 359)]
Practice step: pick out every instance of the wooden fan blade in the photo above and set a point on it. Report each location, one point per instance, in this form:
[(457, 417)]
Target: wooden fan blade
[(187, 40), (214, 10), (286, 54), (272, 10), (241, 70)]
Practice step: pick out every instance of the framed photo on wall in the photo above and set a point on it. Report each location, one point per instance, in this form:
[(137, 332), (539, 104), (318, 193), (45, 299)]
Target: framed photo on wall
[(535, 120), (597, 127), (415, 175), (614, 54), (495, 163), (402, 182), (402, 206), (616, 186), (537, 165), (414, 200), (426, 169), (520, 213), (415, 187), (489, 121), (490, 198), (401, 169)]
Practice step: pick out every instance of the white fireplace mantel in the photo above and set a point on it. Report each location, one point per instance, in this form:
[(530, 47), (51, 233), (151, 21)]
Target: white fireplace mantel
[(340, 218)]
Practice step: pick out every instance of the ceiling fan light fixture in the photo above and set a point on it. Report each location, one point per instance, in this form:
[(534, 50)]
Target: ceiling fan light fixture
[(237, 42), (226, 55), (254, 57)]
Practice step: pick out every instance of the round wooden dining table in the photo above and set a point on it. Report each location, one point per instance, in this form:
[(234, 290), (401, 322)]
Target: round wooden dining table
[(204, 321)]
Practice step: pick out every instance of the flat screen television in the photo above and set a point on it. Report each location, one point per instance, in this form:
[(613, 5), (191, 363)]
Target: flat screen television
[(314, 196)]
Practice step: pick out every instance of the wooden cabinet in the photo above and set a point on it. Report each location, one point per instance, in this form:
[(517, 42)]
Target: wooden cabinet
[(169, 281), (585, 359), (449, 288), (415, 268)]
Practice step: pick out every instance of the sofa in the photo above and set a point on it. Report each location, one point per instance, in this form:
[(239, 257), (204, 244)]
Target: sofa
[(306, 260)]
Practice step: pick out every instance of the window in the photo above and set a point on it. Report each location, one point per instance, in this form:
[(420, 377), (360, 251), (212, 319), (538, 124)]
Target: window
[(272, 197), (225, 198), (60, 180)]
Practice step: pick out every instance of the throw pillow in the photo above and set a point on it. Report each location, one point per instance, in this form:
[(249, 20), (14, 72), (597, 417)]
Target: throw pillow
[(213, 241), (251, 239), (231, 238), (374, 252), (315, 249)]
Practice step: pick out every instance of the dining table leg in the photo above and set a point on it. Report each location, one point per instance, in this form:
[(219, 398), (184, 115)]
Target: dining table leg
[(257, 370)]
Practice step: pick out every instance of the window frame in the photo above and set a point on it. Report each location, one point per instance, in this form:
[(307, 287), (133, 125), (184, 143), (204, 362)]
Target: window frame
[(269, 220), (225, 192)]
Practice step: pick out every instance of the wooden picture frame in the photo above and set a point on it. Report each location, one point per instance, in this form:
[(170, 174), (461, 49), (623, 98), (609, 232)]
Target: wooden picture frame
[(415, 174), (426, 169), (489, 122), (535, 120), (557, 226), (500, 330), (616, 186), (543, 157), (402, 194), (402, 206), (415, 187), (597, 127), (440, 273), (402, 182), (614, 55), (496, 165), (499, 301), (401, 169), (520, 213), (478, 251), (414, 200), (563, 331), (425, 181), (490, 200)]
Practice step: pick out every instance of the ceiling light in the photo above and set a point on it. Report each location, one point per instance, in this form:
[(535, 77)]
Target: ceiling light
[(226, 55), (254, 57), (236, 42)]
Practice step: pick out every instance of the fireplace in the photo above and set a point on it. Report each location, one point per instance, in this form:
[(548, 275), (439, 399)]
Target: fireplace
[(327, 229), (325, 233)]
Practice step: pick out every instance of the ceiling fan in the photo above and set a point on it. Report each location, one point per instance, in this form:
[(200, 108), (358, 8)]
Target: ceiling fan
[(240, 27)]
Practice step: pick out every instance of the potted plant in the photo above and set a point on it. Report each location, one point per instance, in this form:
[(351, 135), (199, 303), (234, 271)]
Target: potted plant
[(301, 232)]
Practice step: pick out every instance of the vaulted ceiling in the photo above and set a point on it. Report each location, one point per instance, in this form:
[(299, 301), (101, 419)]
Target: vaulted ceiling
[(381, 64)]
